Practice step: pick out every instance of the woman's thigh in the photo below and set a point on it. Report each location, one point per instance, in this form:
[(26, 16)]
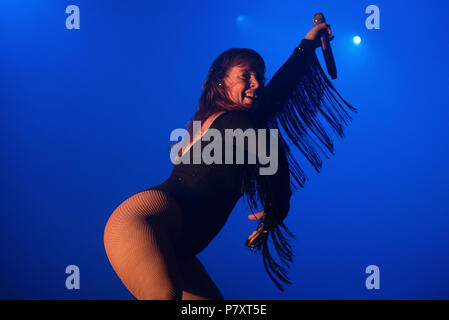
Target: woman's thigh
[(197, 284), (139, 239)]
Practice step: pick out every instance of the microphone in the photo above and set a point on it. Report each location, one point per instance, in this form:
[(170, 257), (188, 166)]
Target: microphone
[(326, 46)]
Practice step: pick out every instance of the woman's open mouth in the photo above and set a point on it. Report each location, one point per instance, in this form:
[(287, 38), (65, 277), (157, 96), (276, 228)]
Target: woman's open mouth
[(250, 96)]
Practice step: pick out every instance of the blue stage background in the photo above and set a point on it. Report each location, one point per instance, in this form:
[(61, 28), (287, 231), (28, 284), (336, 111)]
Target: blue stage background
[(85, 119)]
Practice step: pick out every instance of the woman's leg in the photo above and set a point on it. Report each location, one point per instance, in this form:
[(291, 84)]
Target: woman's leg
[(197, 284), (139, 239)]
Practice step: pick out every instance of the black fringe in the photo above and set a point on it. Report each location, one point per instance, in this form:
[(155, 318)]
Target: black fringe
[(314, 95), (258, 190), (299, 117)]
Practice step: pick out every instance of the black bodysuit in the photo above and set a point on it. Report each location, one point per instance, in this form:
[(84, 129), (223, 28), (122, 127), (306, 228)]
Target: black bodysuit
[(208, 193)]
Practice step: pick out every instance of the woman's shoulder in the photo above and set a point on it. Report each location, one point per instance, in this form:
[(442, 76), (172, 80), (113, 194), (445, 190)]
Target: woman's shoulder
[(234, 119)]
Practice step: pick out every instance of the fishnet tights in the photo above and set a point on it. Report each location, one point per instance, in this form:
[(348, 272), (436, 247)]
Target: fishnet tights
[(139, 238)]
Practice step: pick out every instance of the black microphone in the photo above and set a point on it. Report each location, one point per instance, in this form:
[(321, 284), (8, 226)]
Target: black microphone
[(326, 46)]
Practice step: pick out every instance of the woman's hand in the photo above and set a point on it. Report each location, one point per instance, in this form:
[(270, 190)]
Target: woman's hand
[(315, 33), (255, 239)]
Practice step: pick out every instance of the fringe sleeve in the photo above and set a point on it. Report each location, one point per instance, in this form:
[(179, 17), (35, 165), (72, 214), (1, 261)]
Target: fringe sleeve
[(293, 101)]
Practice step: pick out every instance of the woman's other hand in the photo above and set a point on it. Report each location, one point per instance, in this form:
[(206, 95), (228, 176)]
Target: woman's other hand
[(315, 33), (256, 238)]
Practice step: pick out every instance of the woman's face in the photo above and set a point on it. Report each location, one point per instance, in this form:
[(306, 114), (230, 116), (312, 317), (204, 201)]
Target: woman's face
[(243, 85)]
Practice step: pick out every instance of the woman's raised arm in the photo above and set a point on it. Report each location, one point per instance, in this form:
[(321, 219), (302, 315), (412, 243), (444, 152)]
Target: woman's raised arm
[(295, 99)]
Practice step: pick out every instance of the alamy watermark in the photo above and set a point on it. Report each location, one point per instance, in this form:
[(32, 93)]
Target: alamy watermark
[(373, 280), (73, 280), (373, 20), (212, 153), (73, 20)]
